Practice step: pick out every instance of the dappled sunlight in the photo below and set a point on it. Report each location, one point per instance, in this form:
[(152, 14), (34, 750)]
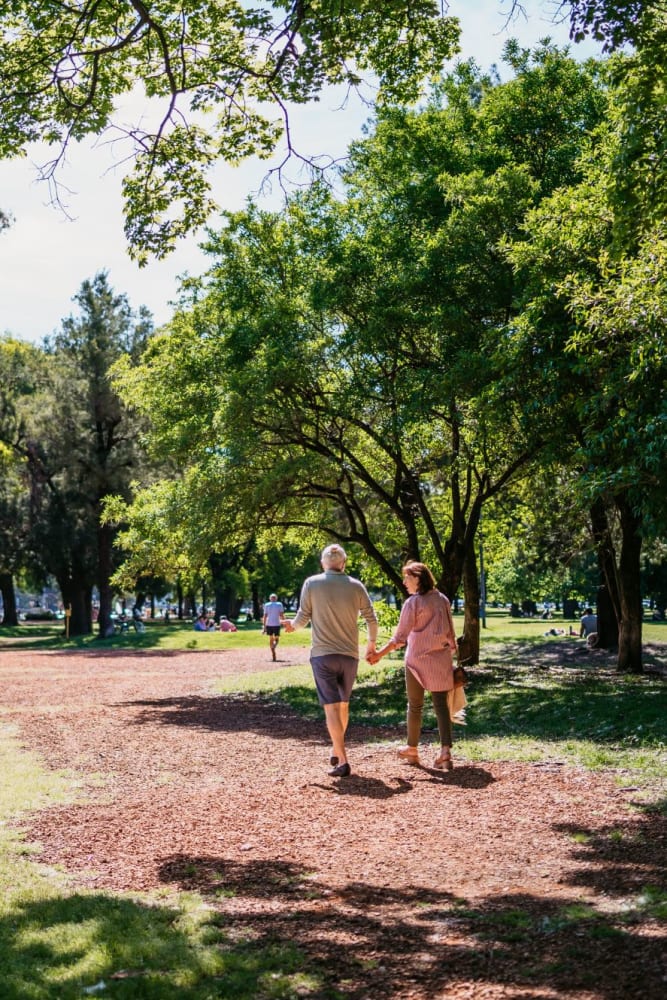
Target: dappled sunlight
[(432, 936)]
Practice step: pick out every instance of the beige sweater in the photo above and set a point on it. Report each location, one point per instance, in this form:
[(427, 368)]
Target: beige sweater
[(332, 601)]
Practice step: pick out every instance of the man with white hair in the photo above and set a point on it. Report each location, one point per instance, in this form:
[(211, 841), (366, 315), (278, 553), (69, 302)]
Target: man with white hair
[(274, 617), (332, 602)]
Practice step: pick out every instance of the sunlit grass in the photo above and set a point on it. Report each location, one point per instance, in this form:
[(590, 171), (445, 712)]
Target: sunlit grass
[(25, 784), (500, 627)]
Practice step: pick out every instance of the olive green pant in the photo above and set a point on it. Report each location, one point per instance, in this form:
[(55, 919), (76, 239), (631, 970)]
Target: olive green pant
[(415, 693)]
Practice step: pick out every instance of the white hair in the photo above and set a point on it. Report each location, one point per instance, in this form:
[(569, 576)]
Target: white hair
[(333, 557)]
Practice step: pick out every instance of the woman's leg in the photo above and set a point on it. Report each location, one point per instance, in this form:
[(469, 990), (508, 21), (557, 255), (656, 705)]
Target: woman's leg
[(442, 715), (415, 693)]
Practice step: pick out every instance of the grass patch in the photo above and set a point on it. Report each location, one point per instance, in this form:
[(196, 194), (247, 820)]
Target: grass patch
[(535, 926), (61, 947), (157, 635), (652, 902), (25, 786), (500, 628)]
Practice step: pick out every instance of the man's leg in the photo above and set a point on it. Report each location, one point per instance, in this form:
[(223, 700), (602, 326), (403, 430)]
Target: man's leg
[(337, 716), (344, 715), (334, 676)]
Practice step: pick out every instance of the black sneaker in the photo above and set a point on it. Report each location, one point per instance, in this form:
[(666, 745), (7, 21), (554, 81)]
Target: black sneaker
[(341, 771)]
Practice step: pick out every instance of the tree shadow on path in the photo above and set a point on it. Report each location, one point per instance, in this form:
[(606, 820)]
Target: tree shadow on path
[(400, 942)]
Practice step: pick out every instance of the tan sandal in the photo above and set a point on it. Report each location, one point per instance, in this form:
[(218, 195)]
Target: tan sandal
[(409, 755), (444, 761)]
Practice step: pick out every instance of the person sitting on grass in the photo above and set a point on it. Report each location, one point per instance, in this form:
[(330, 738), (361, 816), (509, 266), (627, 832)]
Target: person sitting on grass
[(200, 623), (226, 625), (589, 628)]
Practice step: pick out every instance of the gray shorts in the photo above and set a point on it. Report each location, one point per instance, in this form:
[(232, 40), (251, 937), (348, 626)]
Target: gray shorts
[(334, 675)]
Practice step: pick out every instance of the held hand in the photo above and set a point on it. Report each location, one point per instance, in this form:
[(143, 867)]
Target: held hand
[(289, 627), (374, 656)]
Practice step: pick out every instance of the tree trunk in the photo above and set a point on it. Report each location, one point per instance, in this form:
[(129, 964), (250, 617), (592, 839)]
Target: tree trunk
[(224, 572), (10, 613), (632, 612), (105, 534), (622, 578), (227, 602), (469, 641), (452, 567), (78, 598), (607, 563), (607, 623), (256, 603)]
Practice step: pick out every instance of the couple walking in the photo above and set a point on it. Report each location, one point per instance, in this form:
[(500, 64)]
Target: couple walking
[(332, 602)]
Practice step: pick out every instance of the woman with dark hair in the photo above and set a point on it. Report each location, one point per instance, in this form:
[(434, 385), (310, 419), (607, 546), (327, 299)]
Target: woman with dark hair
[(426, 628)]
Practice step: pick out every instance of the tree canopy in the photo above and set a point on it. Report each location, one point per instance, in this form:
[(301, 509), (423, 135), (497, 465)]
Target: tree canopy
[(74, 442), (220, 76), (486, 301), (215, 80), (345, 358)]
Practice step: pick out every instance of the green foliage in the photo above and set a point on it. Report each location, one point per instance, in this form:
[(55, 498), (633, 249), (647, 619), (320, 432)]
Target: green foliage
[(613, 22), (387, 616), (620, 339), (346, 358), (73, 441), (534, 545), (23, 374), (384, 367), (593, 309), (218, 78), (281, 567)]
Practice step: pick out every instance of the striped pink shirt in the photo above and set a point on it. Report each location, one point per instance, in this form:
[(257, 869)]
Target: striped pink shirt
[(426, 626)]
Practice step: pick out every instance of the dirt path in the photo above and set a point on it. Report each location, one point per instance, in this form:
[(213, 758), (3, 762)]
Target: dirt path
[(444, 885)]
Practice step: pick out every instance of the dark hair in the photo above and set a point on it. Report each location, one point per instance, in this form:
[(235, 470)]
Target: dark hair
[(423, 574)]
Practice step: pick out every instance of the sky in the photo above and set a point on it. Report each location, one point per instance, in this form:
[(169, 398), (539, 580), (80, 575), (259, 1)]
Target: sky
[(47, 254)]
